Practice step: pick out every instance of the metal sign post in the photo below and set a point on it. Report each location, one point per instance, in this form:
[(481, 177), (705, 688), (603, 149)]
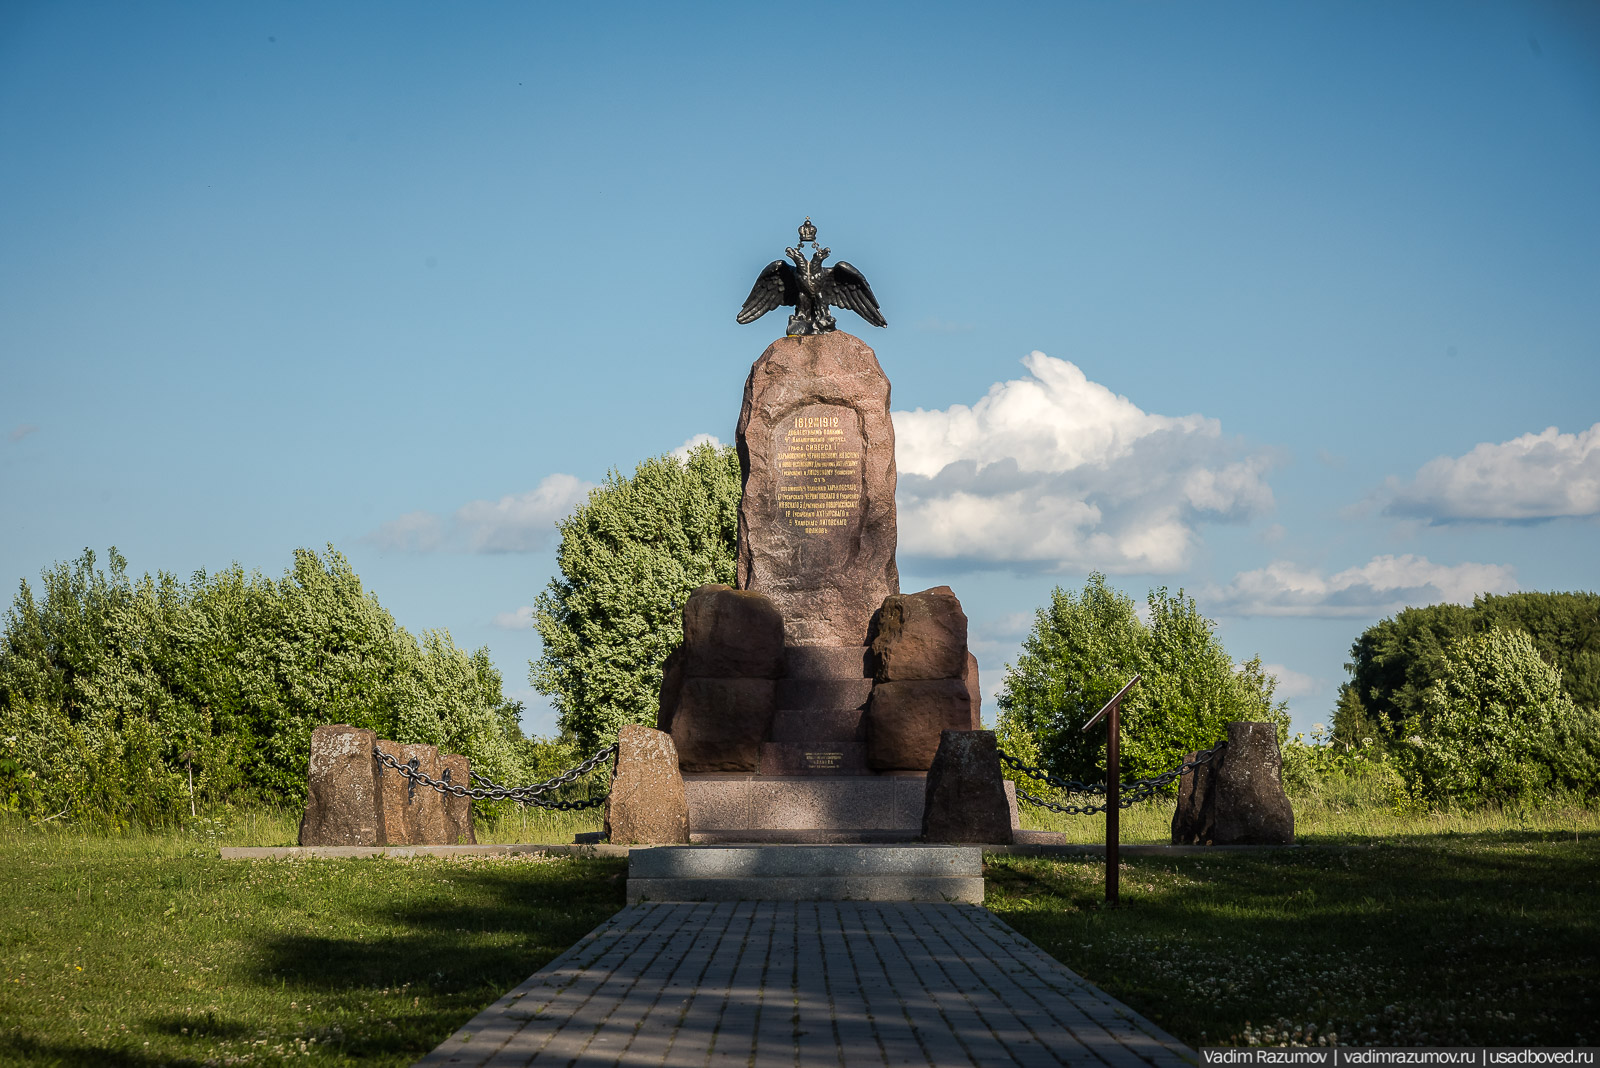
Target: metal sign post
[(1113, 708)]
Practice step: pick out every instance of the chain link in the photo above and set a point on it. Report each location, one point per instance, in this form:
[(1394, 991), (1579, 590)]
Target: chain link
[(523, 795), (1132, 792)]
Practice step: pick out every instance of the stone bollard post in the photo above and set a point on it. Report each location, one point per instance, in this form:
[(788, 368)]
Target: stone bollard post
[(1237, 797), (966, 800), (410, 813), (457, 810), (341, 789), (647, 805)]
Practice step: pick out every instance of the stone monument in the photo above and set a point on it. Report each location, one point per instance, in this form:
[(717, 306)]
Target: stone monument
[(808, 703), (646, 803)]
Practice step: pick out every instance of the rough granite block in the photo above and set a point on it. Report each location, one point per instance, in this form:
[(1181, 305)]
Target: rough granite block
[(839, 725), (821, 694), (826, 662)]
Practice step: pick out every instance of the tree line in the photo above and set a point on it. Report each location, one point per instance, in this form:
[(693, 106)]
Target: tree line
[(115, 692)]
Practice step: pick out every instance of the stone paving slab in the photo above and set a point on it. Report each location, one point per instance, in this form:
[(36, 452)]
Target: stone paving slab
[(796, 984)]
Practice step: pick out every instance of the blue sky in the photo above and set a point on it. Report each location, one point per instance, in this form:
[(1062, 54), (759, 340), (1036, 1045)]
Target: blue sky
[(1296, 306)]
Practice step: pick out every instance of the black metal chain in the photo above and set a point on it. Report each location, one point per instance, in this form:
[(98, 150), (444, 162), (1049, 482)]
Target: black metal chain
[(523, 795), (526, 793), (1132, 792)]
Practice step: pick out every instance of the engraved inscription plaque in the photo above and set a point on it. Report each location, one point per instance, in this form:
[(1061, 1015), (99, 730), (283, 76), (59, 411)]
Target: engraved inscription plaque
[(818, 462)]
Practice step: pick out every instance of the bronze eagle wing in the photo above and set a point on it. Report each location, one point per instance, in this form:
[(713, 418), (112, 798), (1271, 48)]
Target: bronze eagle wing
[(775, 285), (846, 287)]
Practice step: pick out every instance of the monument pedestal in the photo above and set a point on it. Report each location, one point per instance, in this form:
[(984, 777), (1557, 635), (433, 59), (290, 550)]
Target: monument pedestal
[(805, 808), (812, 808)]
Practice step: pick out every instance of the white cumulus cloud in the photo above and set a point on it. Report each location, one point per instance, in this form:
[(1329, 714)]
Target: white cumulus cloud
[(1381, 586), (1291, 683), (521, 522), (414, 532), (521, 619), (518, 522), (682, 451), (1537, 476), (1055, 471)]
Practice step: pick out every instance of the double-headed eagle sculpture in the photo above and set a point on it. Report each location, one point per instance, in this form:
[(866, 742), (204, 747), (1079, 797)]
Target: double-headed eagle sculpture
[(810, 288)]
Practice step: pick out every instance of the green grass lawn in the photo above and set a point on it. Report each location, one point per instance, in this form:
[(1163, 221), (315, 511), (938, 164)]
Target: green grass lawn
[(1474, 927), (1485, 938), (146, 948)]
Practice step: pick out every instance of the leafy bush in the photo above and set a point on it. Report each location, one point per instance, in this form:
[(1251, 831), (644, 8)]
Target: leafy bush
[(1338, 776), (1084, 647), (112, 690), (1395, 661), (1489, 725)]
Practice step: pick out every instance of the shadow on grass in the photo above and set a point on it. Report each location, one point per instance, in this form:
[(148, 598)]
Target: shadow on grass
[(505, 931), (201, 1027), (20, 1049), (1468, 940), (417, 964)]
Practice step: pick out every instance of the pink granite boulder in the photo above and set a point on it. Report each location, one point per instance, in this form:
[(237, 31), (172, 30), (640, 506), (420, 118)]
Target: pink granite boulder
[(457, 810), (920, 636), (966, 798), (671, 689), (905, 720), (341, 788), (647, 805), (1237, 797), (974, 691), (817, 520), (410, 813), (719, 724), (731, 634)]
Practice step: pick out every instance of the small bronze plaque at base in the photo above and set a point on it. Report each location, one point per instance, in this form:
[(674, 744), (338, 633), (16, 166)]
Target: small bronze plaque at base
[(802, 758)]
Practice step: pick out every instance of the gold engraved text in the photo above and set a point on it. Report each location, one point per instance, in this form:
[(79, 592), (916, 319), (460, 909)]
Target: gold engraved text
[(818, 462)]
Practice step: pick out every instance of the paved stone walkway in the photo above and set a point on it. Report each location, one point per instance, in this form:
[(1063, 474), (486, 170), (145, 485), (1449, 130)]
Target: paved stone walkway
[(846, 984)]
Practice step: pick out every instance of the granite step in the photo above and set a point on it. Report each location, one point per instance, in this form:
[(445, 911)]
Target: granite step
[(810, 837), (814, 758), (826, 661), (807, 873), (819, 728), (739, 804), (820, 694)]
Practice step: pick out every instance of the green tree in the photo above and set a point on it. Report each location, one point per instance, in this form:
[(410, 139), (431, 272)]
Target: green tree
[(1084, 647), (629, 558), (1487, 723), (1391, 666)]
